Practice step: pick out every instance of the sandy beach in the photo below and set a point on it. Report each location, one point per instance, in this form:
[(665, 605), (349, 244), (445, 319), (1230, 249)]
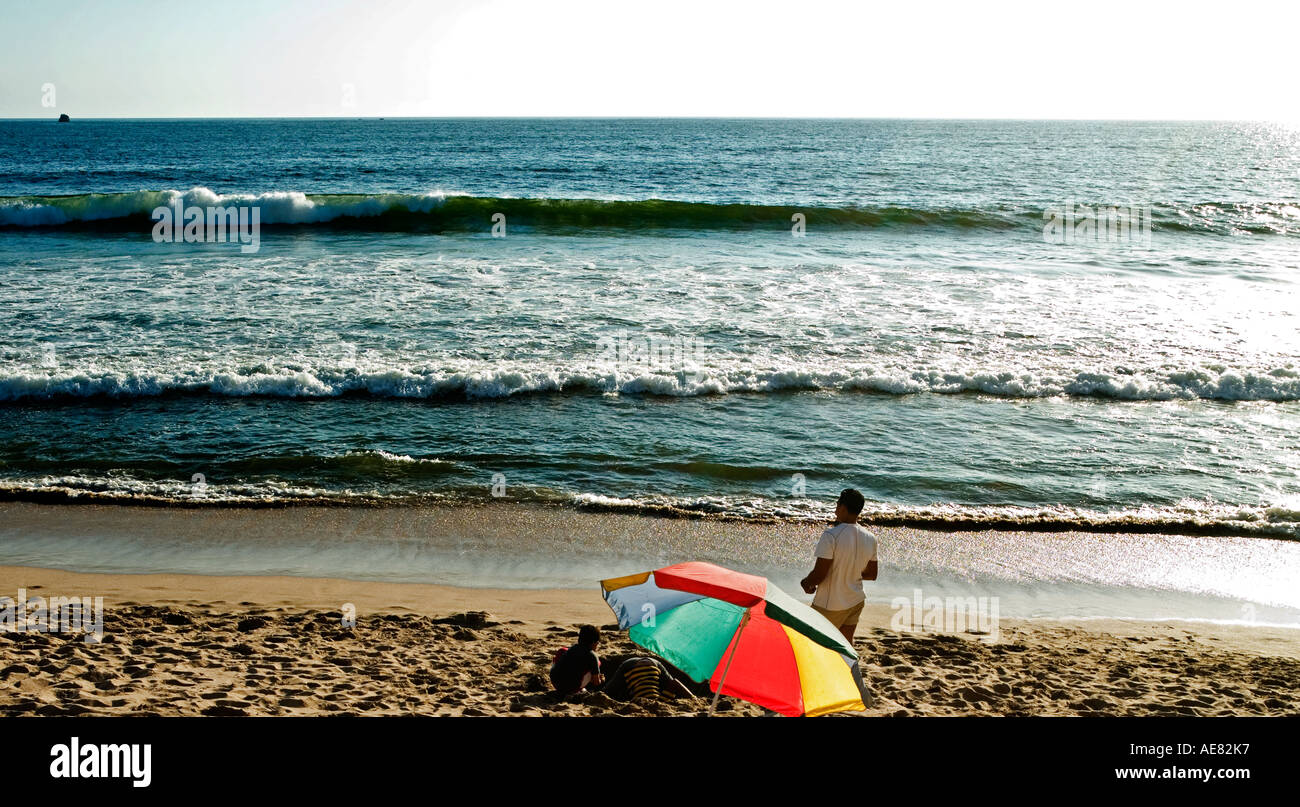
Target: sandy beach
[(252, 645)]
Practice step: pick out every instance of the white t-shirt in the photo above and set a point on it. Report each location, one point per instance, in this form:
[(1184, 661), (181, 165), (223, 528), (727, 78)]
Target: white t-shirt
[(850, 548)]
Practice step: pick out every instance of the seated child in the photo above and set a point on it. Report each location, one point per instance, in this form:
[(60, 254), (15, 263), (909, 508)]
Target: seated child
[(576, 668)]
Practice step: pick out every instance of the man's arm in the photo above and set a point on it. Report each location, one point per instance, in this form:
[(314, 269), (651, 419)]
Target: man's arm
[(870, 572), (816, 576)]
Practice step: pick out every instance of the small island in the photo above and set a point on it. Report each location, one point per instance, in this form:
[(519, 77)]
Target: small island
[(64, 118)]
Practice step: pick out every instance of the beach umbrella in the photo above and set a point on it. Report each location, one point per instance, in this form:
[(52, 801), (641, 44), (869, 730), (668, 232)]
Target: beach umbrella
[(745, 636)]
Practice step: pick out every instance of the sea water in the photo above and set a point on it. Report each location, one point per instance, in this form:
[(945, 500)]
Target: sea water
[(975, 323)]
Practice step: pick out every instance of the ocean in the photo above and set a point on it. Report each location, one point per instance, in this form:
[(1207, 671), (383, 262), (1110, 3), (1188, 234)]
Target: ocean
[(1064, 325)]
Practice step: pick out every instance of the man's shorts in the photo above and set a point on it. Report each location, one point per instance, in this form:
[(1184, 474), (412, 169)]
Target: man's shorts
[(849, 616)]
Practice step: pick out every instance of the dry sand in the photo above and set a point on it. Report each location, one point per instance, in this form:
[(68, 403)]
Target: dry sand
[(192, 645)]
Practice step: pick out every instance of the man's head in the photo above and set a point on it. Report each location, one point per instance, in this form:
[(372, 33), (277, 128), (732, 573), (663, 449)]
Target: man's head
[(849, 505), (588, 636)]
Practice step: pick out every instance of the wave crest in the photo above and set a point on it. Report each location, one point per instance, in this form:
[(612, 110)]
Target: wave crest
[(494, 381), (439, 211), (1281, 520)]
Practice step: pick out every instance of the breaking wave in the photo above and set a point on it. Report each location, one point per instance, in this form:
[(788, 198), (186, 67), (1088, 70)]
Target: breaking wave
[(493, 381), (450, 212), (1281, 520)]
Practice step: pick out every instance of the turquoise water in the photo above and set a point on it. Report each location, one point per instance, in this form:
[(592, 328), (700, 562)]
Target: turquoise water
[(649, 333)]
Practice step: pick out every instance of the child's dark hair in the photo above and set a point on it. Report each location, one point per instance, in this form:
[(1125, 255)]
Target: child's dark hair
[(588, 635)]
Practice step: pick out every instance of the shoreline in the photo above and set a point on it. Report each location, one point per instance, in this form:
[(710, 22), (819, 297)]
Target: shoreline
[(515, 546), (268, 645), (1120, 522)]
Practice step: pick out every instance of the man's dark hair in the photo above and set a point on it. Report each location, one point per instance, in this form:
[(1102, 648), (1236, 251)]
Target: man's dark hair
[(588, 635), (852, 500)]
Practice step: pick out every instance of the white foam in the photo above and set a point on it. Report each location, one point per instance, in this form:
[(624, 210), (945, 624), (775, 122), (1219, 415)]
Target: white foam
[(275, 207), (387, 456), (485, 380)]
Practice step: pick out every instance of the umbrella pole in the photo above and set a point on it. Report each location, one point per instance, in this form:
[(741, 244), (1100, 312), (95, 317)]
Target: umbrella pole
[(735, 642)]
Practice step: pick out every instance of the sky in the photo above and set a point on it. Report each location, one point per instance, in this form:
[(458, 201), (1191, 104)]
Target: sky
[(801, 58)]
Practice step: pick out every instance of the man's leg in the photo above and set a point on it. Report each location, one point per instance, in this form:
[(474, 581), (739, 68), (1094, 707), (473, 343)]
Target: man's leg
[(849, 622), (849, 627), (836, 618)]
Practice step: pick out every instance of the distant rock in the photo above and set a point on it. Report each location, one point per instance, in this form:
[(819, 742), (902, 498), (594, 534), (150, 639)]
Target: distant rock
[(64, 118)]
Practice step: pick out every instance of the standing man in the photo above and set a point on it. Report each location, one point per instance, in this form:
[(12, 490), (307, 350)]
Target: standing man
[(846, 555)]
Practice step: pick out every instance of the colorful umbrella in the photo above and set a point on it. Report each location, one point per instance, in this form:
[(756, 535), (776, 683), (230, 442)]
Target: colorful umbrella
[(743, 635)]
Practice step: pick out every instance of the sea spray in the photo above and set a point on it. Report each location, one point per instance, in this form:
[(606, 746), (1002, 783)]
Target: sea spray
[(195, 224)]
